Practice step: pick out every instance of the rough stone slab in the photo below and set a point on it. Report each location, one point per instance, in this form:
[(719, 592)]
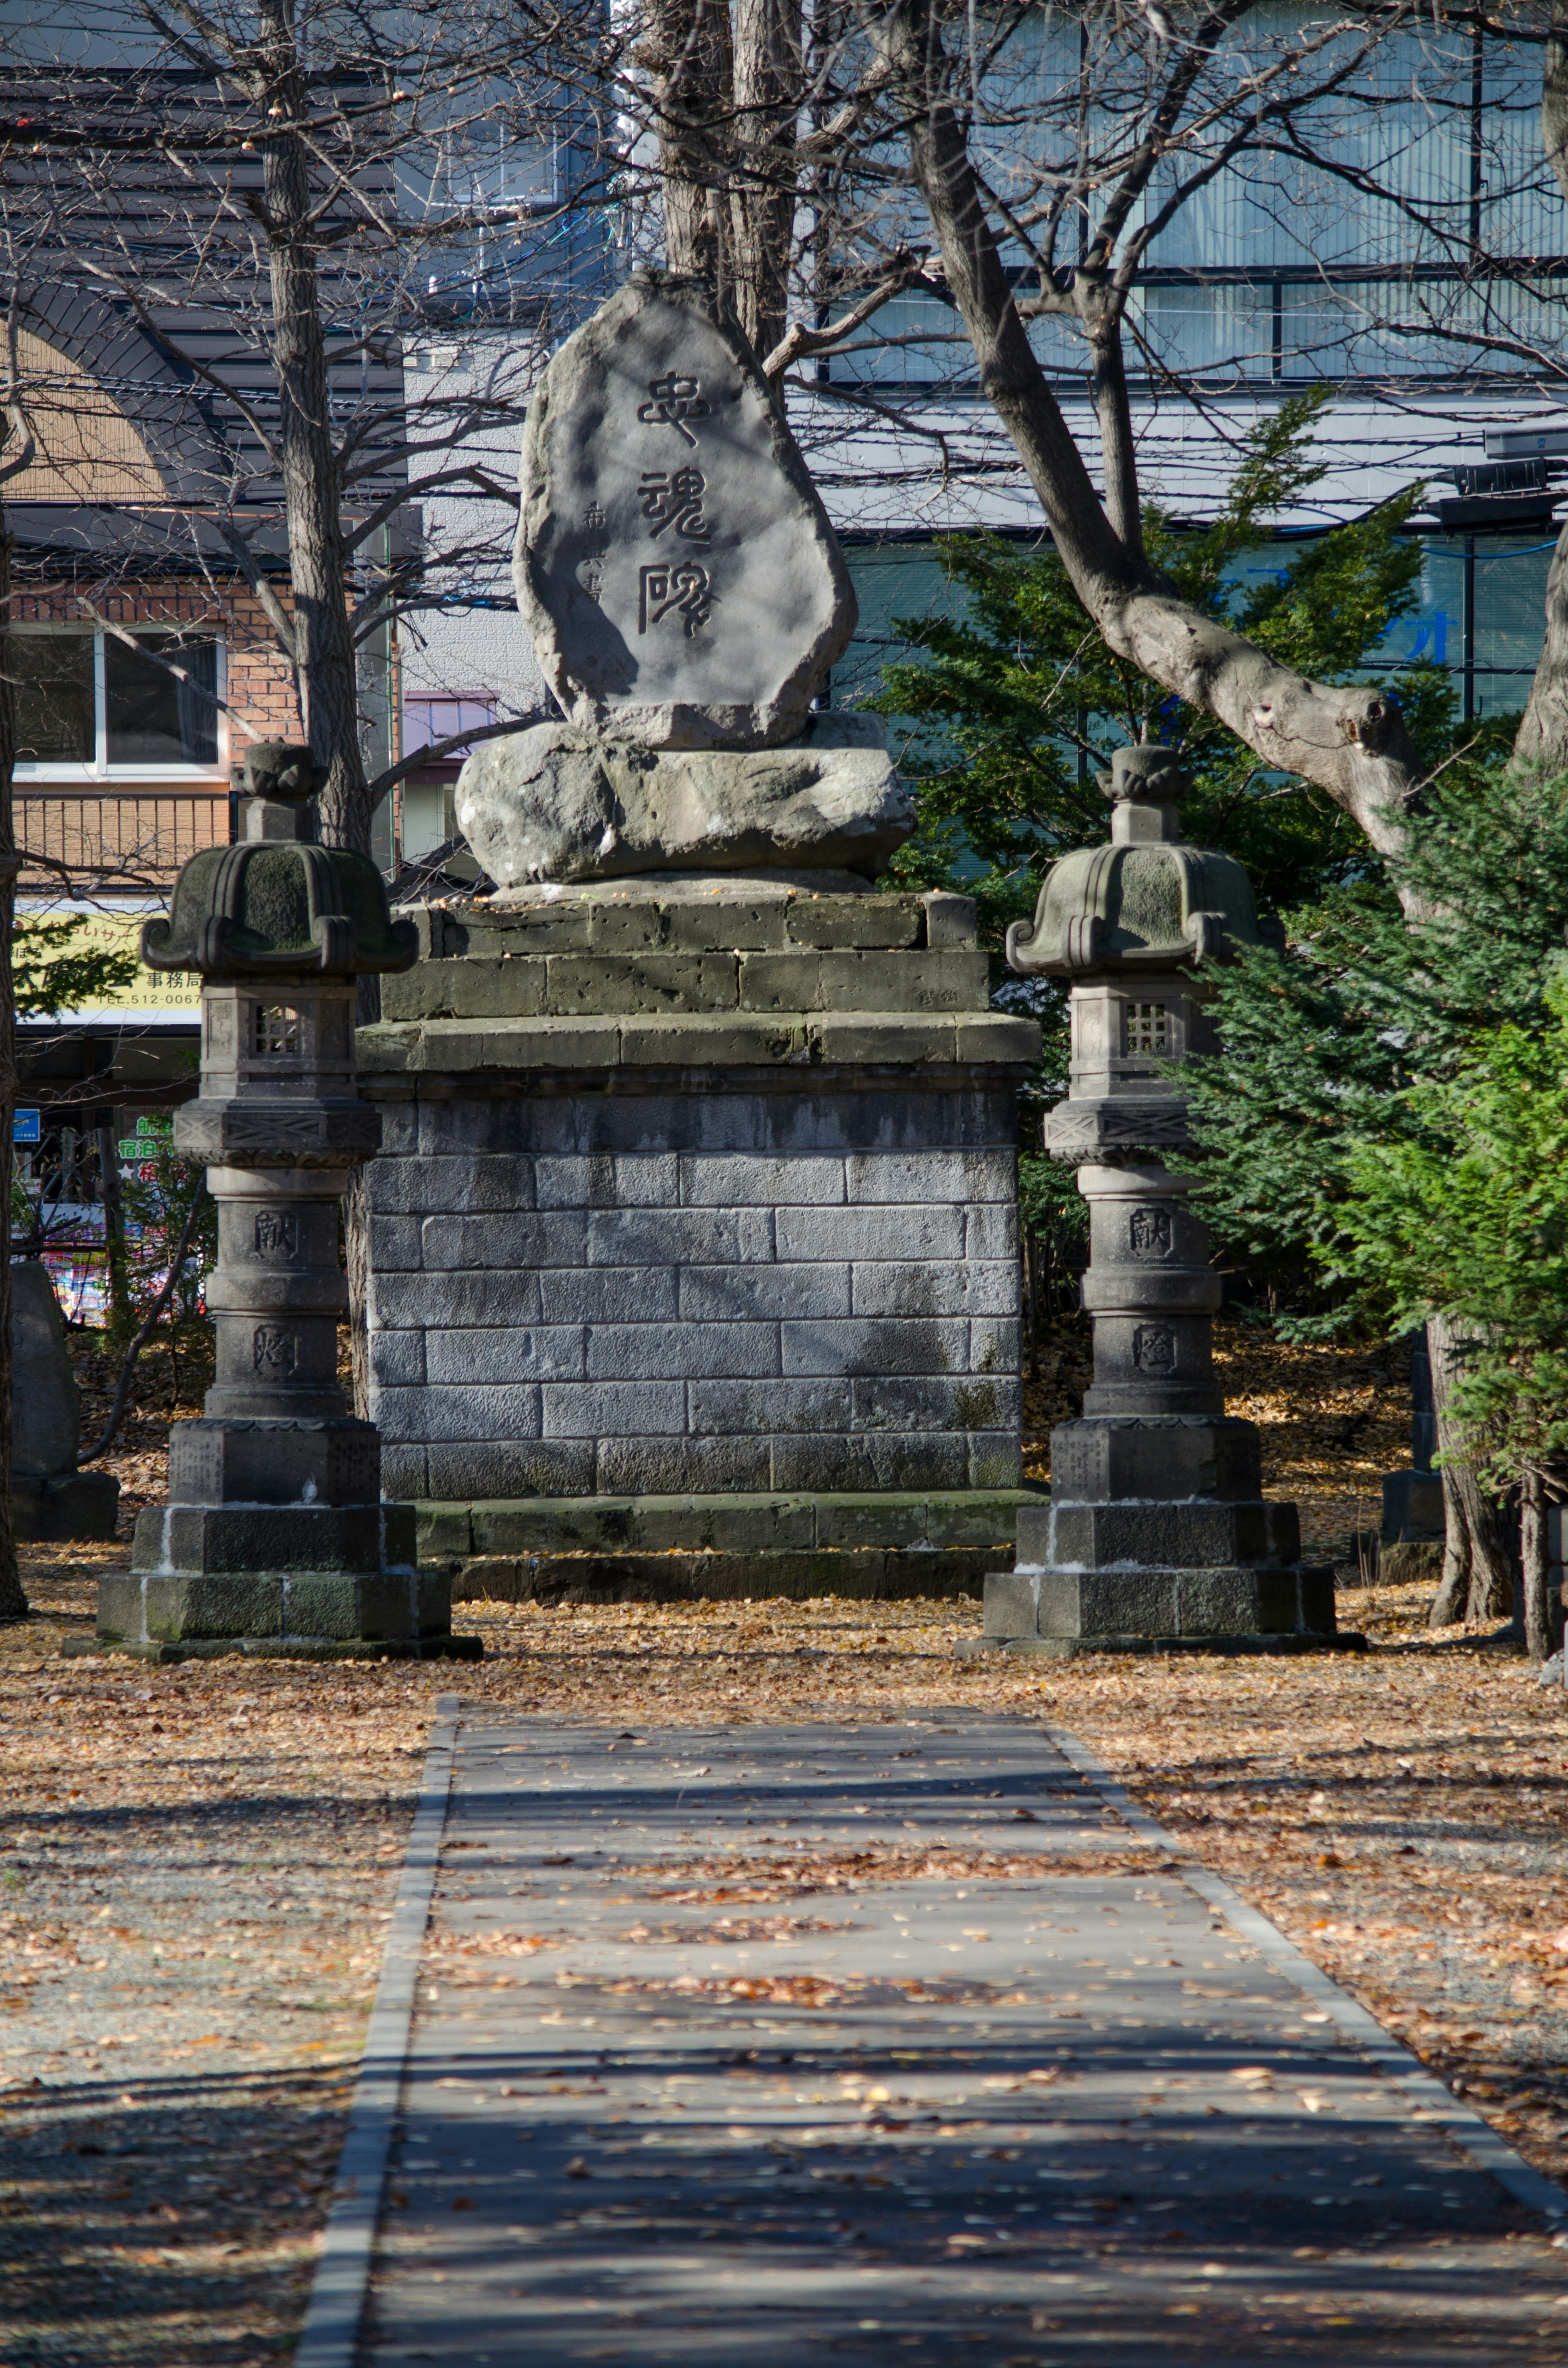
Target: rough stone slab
[(664, 2151), (896, 980), (284, 1648), (1148, 1599), (65, 1506), (722, 915), (1181, 1456), (558, 805), (653, 445), (45, 1423)]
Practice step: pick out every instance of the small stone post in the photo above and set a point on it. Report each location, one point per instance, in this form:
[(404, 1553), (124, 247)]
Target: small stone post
[(274, 1538), (1156, 1535)]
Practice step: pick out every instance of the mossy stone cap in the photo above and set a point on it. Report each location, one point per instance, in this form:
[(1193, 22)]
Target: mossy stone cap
[(1144, 902), (267, 906)]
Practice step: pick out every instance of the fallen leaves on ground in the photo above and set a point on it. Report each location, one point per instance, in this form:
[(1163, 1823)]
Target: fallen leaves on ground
[(196, 1864)]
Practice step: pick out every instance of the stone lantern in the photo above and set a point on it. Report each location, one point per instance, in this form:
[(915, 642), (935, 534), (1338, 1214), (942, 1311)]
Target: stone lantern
[(274, 1538), (1156, 1533)]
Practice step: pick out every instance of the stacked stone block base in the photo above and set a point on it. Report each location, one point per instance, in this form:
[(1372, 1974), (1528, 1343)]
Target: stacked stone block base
[(292, 1552), (700, 1196), (1107, 1563)]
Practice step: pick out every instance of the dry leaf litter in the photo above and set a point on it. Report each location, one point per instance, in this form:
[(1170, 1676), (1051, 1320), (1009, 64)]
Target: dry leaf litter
[(196, 1863)]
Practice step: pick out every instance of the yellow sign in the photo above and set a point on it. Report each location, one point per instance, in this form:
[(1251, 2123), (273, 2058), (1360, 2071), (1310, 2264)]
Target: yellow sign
[(152, 992)]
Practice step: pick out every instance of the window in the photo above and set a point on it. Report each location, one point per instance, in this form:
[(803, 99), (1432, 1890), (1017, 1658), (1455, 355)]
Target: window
[(1148, 1027), (277, 1027), (91, 702), (56, 711), (154, 717)]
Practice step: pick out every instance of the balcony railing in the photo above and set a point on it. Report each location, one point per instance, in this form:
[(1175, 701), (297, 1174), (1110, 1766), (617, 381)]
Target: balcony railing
[(127, 836)]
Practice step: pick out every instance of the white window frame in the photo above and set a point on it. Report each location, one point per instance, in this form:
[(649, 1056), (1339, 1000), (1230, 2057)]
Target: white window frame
[(100, 769)]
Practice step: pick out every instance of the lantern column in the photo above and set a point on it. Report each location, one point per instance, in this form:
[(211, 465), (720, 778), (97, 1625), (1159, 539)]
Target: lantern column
[(275, 1540), (1157, 1535)]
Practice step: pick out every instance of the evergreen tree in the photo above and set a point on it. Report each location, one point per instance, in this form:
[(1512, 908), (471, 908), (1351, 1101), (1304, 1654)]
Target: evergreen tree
[(1016, 703), (1379, 1097)]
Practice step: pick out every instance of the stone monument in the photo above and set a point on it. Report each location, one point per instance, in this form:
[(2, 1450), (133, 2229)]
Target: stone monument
[(275, 1539), (694, 1228), (49, 1498), (1156, 1535)]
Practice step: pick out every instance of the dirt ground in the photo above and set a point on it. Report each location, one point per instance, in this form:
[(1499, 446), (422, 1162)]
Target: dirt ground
[(196, 1865)]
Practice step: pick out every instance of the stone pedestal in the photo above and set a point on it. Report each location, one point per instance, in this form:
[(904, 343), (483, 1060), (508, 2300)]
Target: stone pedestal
[(49, 1498), (1157, 1536), (275, 1540), (693, 1242)]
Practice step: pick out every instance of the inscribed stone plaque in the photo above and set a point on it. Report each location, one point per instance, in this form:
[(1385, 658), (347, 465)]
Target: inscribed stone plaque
[(675, 565)]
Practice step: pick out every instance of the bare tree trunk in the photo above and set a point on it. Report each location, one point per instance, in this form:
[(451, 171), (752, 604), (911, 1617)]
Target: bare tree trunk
[(317, 559), (1534, 1564), (1113, 408), (1351, 743), (357, 1258), (1542, 737), (13, 1602), (1478, 1560), (691, 55), (768, 37)]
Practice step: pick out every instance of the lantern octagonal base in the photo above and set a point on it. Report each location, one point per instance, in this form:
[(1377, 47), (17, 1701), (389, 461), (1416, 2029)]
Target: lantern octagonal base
[(284, 1608), (1171, 1602), (334, 1460)]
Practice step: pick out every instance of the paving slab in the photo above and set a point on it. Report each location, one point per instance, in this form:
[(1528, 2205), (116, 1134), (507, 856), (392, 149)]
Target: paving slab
[(894, 2041)]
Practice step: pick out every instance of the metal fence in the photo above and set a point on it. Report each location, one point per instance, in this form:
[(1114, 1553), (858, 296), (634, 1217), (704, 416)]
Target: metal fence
[(138, 835)]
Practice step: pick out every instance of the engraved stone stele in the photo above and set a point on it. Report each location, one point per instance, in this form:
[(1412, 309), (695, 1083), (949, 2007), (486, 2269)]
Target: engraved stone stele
[(675, 565), (1157, 1536), (687, 599), (275, 1539)]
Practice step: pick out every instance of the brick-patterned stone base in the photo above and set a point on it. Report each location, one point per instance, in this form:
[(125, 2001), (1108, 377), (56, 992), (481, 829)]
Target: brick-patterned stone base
[(696, 1199)]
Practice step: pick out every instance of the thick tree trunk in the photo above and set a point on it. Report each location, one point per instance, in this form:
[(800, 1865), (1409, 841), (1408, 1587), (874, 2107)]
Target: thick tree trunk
[(13, 1602), (689, 49), (767, 36), (1534, 1564), (318, 561), (1351, 743), (1478, 1562), (1542, 737)]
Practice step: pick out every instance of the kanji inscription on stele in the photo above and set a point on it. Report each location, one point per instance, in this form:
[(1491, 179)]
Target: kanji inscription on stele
[(675, 567)]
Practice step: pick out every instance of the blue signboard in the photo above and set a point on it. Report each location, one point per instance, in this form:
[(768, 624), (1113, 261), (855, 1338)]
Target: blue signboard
[(24, 1127)]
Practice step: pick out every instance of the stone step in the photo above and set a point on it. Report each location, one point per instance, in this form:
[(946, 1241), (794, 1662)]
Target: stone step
[(573, 984), (635, 916), (700, 1041), (865, 1576), (832, 1524)]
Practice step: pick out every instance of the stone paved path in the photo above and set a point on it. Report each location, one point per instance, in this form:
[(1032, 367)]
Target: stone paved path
[(1051, 2110)]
